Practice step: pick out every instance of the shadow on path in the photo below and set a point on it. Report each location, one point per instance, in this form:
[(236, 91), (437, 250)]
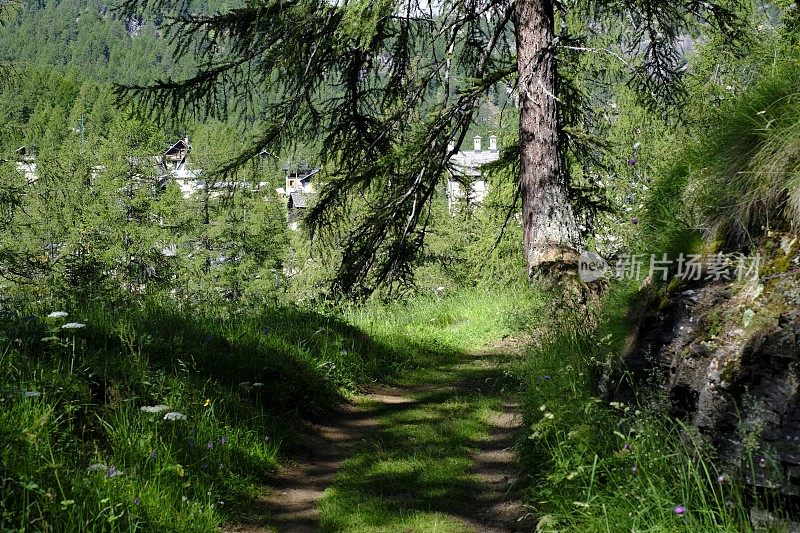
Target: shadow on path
[(433, 452)]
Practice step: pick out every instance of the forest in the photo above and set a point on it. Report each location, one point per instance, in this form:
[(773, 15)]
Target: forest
[(394, 265)]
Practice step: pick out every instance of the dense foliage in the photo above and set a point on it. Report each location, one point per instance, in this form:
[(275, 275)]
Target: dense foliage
[(120, 293), (596, 465)]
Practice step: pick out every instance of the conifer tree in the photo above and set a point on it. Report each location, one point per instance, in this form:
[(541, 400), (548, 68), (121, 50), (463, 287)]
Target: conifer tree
[(240, 232), (128, 179), (389, 84)]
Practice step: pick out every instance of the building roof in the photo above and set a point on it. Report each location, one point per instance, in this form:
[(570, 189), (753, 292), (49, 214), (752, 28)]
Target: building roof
[(467, 163), (311, 172), (301, 171), (180, 146)]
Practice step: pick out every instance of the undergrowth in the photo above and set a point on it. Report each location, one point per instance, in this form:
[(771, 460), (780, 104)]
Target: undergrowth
[(596, 465), (739, 176), (152, 416)]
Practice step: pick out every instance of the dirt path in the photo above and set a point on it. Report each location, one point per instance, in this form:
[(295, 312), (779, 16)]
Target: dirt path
[(500, 507), (493, 506)]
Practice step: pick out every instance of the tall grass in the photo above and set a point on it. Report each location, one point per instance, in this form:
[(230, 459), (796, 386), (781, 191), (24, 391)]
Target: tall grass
[(78, 453), (600, 466), (741, 176)]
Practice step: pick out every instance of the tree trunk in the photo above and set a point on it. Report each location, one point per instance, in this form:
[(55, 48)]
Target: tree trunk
[(552, 239)]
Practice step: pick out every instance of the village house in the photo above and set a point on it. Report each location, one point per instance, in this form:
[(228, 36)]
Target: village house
[(298, 189), (174, 165), (298, 179), (466, 183), (174, 159), (26, 163)]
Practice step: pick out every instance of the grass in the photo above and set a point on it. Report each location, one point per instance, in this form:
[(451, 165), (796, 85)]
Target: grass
[(600, 466), (73, 400), (463, 320), (415, 472), (77, 453), (741, 175)]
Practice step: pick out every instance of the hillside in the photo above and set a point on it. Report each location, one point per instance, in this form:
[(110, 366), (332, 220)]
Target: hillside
[(94, 40), (285, 296)]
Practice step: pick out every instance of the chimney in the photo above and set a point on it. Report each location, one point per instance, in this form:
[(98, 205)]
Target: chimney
[(477, 143), (493, 143)]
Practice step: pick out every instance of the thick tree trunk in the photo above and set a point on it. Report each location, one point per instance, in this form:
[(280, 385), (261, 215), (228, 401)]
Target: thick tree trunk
[(552, 239)]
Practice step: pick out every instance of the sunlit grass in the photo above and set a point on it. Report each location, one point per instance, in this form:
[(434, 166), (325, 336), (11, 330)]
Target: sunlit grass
[(415, 472), (463, 320), (600, 466)]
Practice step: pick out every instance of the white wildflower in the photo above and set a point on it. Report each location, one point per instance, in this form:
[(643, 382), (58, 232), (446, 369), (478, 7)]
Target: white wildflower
[(174, 415), (58, 314), (32, 394), (73, 325), (97, 467), (155, 408)]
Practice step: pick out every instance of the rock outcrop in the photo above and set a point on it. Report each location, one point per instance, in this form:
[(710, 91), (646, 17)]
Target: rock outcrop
[(726, 358)]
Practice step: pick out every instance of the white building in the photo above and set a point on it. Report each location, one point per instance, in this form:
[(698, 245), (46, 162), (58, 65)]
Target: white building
[(465, 173), (28, 169), (298, 180)]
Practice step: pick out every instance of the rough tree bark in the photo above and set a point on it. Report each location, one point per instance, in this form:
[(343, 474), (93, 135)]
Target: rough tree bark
[(552, 239)]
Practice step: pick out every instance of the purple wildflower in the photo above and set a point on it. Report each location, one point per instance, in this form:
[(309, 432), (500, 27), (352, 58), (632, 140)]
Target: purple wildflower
[(223, 440), (634, 469), (112, 471), (721, 478), (210, 445), (633, 162), (204, 467), (635, 221), (153, 454), (191, 442), (136, 501), (546, 377), (627, 446), (680, 510)]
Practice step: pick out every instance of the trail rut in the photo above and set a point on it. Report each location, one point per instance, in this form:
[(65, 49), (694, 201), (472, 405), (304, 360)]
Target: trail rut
[(495, 506)]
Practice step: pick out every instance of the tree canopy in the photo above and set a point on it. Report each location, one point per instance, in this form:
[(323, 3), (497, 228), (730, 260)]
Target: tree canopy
[(393, 86)]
